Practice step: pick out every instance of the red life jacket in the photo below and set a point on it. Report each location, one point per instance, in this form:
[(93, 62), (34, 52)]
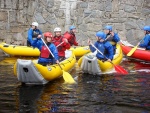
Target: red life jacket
[(70, 37), (57, 42), (45, 53)]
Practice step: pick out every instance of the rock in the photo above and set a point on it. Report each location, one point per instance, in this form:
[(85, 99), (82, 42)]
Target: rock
[(12, 16), (2, 4), (16, 29), (15, 4), (79, 20), (88, 20), (115, 4), (21, 18), (31, 8), (129, 8), (50, 3), (108, 5), (8, 4), (122, 35), (59, 13), (4, 16), (17, 37), (147, 21), (83, 4), (130, 35), (134, 15), (119, 26), (39, 18), (145, 11), (87, 12), (3, 25), (140, 23), (130, 25), (21, 4), (96, 14), (8, 40), (101, 6), (83, 27)]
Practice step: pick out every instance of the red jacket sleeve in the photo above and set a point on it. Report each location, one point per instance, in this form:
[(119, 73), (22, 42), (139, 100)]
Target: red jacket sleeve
[(66, 45)]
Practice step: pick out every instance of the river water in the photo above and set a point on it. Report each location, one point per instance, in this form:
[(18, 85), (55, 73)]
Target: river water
[(108, 93)]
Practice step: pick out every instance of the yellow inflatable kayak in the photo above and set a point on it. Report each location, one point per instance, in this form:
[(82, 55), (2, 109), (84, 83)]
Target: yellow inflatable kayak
[(90, 64), (16, 50), (30, 72)]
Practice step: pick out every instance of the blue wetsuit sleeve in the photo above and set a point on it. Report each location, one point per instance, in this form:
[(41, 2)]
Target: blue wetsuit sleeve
[(145, 42), (30, 31), (35, 43), (110, 51), (54, 51), (116, 37)]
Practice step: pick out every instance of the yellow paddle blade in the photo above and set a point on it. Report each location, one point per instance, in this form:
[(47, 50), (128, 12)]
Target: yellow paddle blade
[(132, 51), (68, 78)]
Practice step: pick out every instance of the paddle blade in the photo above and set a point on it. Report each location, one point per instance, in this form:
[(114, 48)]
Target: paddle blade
[(132, 51), (120, 69), (68, 78)]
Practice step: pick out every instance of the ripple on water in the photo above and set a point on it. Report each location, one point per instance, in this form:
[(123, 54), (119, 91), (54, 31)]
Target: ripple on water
[(108, 93)]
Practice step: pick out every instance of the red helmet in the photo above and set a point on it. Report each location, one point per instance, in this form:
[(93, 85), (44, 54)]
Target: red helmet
[(48, 34)]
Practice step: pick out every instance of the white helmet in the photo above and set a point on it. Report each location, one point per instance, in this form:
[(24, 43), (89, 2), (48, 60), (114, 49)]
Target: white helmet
[(35, 24), (57, 29)]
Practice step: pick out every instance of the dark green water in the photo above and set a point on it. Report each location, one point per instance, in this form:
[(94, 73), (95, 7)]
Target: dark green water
[(108, 93)]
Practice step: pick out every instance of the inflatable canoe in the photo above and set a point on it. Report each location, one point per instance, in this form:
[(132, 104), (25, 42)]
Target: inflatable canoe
[(30, 72), (16, 50), (90, 64), (139, 54)]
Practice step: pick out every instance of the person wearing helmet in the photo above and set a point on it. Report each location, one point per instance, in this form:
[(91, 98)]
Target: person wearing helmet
[(112, 37), (104, 46), (61, 43), (146, 40), (70, 36), (45, 57), (33, 34)]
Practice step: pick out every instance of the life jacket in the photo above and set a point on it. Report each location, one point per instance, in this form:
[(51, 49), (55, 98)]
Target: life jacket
[(109, 38), (70, 37), (57, 42), (45, 52), (35, 33)]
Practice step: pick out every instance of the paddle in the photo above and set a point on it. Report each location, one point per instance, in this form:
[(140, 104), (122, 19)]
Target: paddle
[(67, 77), (133, 49), (60, 44), (118, 68)]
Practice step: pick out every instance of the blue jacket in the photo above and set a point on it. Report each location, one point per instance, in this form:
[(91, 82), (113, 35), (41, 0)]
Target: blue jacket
[(52, 48), (105, 47), (32, 35), (146, 42), (115, 38)]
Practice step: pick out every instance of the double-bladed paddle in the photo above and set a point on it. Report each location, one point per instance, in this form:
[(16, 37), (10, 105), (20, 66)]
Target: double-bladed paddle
[(67, 77)]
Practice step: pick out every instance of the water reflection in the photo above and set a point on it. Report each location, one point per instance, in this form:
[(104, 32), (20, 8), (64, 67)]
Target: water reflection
[(108, 93)]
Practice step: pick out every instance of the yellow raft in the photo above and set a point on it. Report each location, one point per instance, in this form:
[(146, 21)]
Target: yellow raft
[(16, 50), (30, 72), (94, 66)]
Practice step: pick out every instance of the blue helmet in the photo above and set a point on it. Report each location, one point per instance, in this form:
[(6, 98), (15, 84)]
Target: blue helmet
[(72, 27), (101, 34), (108, 28), (146, 28)]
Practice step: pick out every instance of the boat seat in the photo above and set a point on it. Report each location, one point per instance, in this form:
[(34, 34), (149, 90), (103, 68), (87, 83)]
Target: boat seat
[(90, 65), (28, 73)]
